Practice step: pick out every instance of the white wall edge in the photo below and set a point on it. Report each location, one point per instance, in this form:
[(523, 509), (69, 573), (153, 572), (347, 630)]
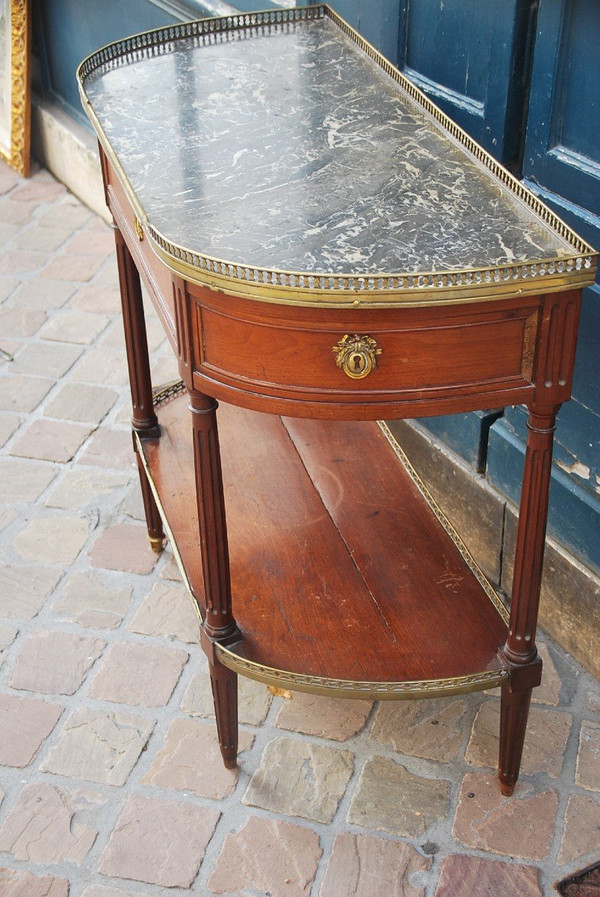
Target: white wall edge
[(69, 152)]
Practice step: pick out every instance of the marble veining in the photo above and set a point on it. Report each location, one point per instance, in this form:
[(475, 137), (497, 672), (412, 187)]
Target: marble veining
[(287, 147)]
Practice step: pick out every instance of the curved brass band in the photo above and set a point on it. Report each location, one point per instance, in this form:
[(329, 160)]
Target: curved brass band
[(372, 291), (348, 688)]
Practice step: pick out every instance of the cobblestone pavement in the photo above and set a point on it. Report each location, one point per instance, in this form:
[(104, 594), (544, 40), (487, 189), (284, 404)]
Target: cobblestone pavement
[(111, 780)]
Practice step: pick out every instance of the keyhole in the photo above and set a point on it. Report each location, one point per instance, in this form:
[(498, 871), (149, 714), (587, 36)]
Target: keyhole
[(358, 362)]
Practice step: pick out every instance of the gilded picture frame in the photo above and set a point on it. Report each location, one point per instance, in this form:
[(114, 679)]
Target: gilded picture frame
[(15, 91)]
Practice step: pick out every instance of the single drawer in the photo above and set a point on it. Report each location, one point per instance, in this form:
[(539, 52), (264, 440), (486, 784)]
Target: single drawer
[(381, 357)]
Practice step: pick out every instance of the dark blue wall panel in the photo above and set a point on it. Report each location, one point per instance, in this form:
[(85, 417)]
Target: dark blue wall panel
[(562, 151), (562, 164), (574, 514), (473, 60), (65, 31), (376, 20)]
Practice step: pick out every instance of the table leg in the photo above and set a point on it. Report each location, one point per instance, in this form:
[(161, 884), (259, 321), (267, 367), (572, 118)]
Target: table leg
[(520, 651), (219, 625), (154, 523), (144, 420), (224, 690)]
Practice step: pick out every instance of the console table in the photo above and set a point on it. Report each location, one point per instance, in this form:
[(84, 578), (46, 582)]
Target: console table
[(327, 250)]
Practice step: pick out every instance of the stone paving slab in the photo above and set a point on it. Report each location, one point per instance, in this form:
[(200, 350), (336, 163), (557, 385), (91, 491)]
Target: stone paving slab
[(26, 723), (42, 828), (369, 866), (269, 856), (159, 841), (24, 884), (111, 784)]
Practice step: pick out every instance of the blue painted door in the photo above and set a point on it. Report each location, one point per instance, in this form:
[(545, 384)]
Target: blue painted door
[(562, 164), (562, 151), (376, 20), (472, 59)]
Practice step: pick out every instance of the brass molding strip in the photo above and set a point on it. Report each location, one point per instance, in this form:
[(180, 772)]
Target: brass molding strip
[(346, 688)]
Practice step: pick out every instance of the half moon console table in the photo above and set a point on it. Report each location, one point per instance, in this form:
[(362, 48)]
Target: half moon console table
[(325, 250)]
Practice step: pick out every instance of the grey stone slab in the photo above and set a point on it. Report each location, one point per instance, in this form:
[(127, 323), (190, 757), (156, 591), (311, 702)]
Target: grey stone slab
[(45, 294), (8, 634), (432, 729), (587, 774), (81, 402), (23, 481), (545, 744), (480, 877), (373, 867), (582, 824), (86, 600), (20, 883), (42, 827), (177, 765), (80, 487), (268, 856), (520, 826), (25, 723), (19, 392), (159, 841), (99, 745), (391, 799), (9, 423), (167, 610), (50, 440), (300, 779), (46, 359), (55, 540), (325, 717), (25, 588), (54, 662), (131, 673)]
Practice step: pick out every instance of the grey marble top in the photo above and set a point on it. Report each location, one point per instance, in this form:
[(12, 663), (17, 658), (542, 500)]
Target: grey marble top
[(288, 147)]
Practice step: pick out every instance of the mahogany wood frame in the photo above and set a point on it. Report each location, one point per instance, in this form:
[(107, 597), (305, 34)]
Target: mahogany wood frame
[(215, 340)]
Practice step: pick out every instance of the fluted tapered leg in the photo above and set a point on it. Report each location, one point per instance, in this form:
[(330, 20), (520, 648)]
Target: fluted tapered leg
[(144, 421), (520, 651), (224, 689), (219, 625)]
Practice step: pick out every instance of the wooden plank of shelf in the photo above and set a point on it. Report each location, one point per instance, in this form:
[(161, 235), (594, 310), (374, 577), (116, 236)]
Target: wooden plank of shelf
[(341, 573)]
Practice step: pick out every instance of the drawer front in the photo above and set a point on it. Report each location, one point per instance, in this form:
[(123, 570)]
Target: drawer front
[(377, 356)]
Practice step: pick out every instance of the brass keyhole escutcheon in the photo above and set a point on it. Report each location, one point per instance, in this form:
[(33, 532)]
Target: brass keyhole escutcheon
[(137, 226), (357, 355)]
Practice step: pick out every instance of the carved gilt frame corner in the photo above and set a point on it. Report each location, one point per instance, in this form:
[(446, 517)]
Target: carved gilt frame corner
[(15, 90)]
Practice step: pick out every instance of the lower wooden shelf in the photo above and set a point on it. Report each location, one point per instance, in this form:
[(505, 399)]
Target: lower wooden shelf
[(346, 579)]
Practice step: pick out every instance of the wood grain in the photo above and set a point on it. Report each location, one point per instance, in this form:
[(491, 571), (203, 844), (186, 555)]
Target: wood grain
[(323, 573)]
